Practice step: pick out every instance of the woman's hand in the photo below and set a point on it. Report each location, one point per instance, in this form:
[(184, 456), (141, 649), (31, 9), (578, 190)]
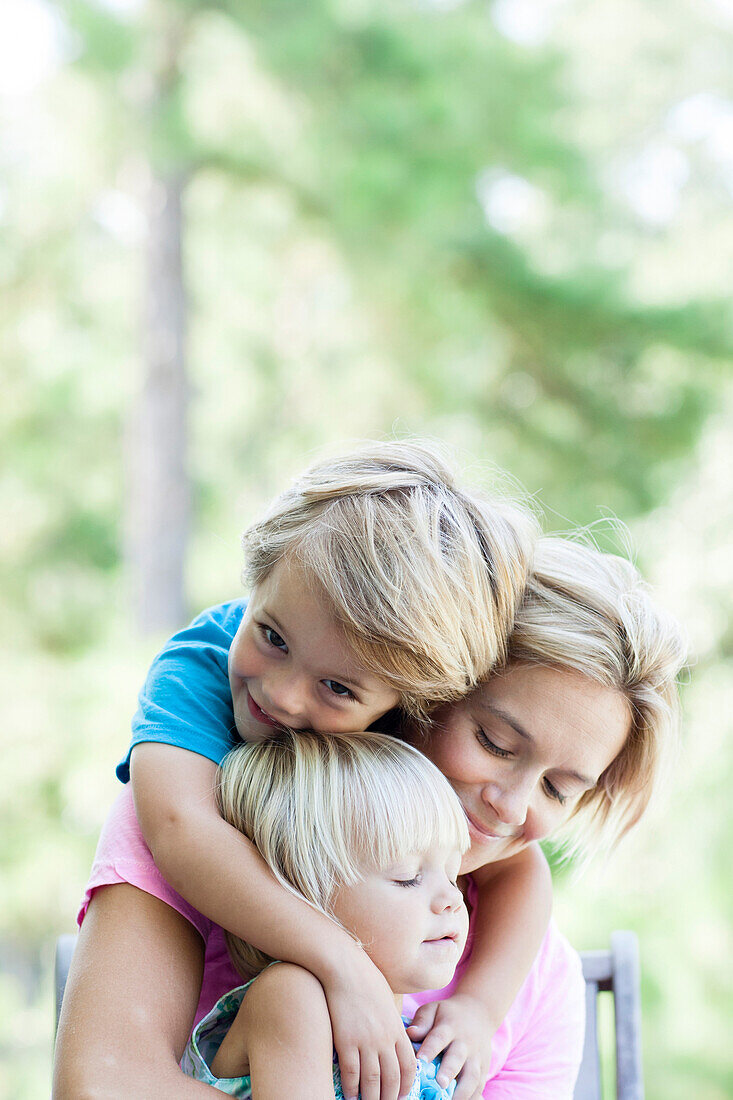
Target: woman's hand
[(375, 1056), (461, 1029)]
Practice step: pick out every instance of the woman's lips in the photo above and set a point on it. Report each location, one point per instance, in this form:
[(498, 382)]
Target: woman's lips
[(259, 714), (482, 832)]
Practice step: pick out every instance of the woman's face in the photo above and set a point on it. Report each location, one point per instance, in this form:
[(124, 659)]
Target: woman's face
[(521, 750)]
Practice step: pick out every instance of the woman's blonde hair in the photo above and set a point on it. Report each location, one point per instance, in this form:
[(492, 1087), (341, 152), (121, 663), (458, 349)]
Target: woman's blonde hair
[(324, 810), (423, 576), (592, 613)]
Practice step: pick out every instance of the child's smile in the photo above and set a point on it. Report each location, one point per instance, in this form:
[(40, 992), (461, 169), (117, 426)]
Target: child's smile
[(258, 713), (290, 667)]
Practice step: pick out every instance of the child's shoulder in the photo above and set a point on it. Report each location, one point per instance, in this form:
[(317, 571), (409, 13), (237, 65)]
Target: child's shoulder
[(287, 991), (207, 637), (224, 617)]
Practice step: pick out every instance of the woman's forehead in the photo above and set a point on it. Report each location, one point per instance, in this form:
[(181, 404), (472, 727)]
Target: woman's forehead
[(556, 711)]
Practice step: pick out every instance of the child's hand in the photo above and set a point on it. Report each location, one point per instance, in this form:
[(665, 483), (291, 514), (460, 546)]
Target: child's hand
[(461, 1028), (375, 1056)]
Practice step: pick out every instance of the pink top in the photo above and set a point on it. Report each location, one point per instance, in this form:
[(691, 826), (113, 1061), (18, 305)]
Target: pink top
[(537, 1049)]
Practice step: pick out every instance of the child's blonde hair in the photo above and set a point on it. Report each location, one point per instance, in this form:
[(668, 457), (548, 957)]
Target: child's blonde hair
[(423, 576), (592, 613), (324, 810)]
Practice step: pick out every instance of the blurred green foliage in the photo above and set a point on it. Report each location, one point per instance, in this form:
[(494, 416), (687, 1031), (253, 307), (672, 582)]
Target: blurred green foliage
[(423, 217)]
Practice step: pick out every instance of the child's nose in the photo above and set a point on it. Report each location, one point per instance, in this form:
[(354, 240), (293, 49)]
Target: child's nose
[(286, 696), (449, 897)]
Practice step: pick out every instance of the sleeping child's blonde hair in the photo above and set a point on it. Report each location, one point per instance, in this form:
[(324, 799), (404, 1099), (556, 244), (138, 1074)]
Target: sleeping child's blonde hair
[(324, 810), (422, 575)]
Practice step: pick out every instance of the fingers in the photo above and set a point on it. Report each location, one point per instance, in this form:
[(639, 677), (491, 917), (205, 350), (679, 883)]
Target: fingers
[(391, 1077), (407, 1065), (349, 1067), (370, 1077), (437, 1039), (468, 1071), (374, 1077), (422, 1021)]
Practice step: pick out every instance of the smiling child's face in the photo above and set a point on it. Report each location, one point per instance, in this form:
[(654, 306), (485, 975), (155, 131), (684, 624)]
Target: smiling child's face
[(289, 665), (411, 919), (521, 750)]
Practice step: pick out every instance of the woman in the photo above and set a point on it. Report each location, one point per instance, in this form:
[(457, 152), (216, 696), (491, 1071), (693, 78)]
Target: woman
[(569, 732)]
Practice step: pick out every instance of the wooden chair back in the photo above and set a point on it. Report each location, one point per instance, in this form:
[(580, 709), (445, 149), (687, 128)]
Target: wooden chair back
[(615, 972)]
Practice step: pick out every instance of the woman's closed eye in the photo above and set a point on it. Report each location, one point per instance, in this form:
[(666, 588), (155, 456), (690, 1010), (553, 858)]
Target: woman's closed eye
[(489, 745), (554, 793), (496, 750)]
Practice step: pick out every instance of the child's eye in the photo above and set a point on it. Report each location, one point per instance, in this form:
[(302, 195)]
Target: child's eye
[(408, 881), (489, 745), (338, 689), (272, 637), (554, 793)]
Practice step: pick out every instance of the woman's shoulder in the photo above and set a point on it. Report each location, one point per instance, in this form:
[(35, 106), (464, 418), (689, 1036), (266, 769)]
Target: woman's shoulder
[(558, 962), (122, 856)]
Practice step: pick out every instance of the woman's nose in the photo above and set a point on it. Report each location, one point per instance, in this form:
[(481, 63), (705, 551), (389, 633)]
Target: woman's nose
[(510, 804)]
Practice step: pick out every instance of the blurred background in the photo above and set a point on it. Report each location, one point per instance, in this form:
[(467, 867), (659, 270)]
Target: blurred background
[(234, 233)]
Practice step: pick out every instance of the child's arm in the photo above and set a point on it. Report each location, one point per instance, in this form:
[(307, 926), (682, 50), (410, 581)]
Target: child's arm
[(513, 909), (281, 1037), (219, 872)]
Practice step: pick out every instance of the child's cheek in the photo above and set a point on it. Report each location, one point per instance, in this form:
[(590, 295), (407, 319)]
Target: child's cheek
[(245, 660)]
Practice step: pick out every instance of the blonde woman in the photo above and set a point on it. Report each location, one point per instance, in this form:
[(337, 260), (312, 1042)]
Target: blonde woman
[(569, 731), (566, 739)]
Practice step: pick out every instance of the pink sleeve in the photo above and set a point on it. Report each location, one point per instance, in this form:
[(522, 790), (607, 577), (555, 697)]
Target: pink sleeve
[(123, 856), (546, 1025)]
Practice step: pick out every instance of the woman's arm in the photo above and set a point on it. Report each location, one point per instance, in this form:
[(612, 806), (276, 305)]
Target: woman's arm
[(129, 1002)]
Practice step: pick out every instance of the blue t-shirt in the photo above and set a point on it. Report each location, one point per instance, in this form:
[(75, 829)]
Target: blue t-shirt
[(186, 699)]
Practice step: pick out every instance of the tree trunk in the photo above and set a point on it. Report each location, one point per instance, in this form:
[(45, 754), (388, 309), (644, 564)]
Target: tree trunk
[(158, 488), (158, 495)]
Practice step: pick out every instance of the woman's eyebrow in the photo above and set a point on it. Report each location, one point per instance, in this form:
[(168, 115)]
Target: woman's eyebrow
[(510, 720)]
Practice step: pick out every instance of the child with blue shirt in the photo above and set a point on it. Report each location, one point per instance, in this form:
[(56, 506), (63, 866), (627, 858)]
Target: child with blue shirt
[(379, 588)]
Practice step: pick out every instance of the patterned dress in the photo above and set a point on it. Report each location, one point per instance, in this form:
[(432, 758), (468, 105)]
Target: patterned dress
[(209, 1033)]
